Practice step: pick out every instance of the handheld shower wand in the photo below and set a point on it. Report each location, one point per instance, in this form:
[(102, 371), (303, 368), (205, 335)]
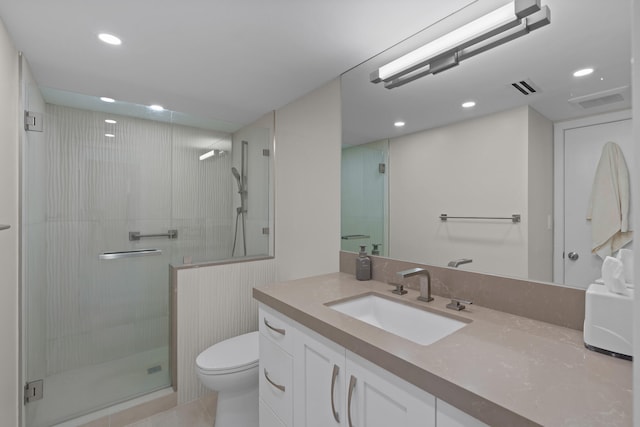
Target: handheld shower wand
[(241, 179), (236, 174)]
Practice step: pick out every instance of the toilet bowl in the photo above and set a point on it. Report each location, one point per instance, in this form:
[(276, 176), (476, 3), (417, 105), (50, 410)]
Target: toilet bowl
[(230, 367)]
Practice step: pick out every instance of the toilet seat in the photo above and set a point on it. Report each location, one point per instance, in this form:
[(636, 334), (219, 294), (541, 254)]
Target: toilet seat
[(232, 355)]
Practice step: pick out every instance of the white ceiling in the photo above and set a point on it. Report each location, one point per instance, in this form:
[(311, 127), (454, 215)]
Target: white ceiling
[(228, 60)]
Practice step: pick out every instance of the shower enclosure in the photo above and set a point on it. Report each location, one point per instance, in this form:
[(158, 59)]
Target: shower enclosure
[(109, 202), (364, 192)]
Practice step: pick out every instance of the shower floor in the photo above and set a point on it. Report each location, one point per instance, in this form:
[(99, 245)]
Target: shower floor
[(80, 391)]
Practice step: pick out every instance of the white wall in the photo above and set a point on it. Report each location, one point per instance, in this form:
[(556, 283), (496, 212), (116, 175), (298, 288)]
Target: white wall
[(9, 248), (540, 197), (635, 84), (307, 180), (477, 167)]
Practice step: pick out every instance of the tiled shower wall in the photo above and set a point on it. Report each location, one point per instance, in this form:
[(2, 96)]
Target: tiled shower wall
[(147, 179), (212, 303)]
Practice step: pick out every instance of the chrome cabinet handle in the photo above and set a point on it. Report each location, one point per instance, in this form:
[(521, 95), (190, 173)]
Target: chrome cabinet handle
[(4, 227), (278, 330), (352, 385), (336, 369), (573, 256), (278, 386)]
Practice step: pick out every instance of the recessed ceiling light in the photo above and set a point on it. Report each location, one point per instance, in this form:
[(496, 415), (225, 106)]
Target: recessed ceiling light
[(110, 39), (468, 104), (107, 99), (399, 124), (110, 121), (109, 135), (156, 107), (583, 72)]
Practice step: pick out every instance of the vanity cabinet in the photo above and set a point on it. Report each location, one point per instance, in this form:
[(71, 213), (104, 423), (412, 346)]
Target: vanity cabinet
[(449, 416), (328, 386)]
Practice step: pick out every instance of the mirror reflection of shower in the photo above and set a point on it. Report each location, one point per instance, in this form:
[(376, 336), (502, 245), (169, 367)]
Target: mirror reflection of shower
[(241, 211)]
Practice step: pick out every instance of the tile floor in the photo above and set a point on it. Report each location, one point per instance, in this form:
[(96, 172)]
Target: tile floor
[(199, 413)]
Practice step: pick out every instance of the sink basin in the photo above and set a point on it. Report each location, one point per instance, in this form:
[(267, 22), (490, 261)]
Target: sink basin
[(417, 325)]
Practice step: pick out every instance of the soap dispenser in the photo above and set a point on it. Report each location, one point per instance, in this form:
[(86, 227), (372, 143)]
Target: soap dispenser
[(363, 265), (376, 249)]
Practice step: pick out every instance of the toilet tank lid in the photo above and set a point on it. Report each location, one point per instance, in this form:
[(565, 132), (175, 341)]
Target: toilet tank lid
[(231, 353)]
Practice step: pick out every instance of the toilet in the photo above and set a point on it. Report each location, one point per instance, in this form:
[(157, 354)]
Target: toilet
[(230, 367)]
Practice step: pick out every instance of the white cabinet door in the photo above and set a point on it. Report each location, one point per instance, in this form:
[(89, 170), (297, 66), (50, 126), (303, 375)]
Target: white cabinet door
[(319, 381), (449, 416), (267, 417), (376, 398)]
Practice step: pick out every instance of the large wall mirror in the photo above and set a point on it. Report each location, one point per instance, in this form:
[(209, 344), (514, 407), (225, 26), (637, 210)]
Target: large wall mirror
[(497, 159)]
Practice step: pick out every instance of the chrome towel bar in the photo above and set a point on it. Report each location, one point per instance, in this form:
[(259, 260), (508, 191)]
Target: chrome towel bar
[(129, 254), (135, 235), (514, 218)]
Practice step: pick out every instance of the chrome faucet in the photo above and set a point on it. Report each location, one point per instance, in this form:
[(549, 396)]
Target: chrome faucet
[(425, 281), (457, 262)]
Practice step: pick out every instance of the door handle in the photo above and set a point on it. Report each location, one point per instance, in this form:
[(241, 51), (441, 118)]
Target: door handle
[(573, 256), (352, 385), (336, 369), (278, 386), (278, 330)]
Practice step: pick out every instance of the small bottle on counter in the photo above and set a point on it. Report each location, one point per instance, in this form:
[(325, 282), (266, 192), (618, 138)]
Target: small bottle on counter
[(376, 249), (363, 265)]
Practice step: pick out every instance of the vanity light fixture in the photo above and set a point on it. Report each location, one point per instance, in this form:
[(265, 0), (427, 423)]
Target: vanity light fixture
[(107, 99), (399, 124), (208, 154), (468, 104), (109, 135), (156, 107), (110, 39), (583, 72), (493, 29), (110, 121)]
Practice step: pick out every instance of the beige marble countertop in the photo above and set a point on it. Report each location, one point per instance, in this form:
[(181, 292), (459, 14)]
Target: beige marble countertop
[(500, 368)]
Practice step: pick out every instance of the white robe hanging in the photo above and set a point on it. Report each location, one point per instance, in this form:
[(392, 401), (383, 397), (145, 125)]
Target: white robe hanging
[(609, 204)]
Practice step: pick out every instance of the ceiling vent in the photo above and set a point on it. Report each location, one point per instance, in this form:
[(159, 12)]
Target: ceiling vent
[(601, 98), (526, 87)]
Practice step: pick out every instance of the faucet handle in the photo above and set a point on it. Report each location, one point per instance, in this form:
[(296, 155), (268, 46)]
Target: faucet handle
[(399, 290), (458, 304)]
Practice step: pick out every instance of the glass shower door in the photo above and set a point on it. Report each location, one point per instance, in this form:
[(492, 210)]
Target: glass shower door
[(96, 301), (364, 185)]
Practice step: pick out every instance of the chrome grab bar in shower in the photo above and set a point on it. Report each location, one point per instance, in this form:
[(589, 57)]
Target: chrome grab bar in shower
[(135, 235), (4, 227), (129, 254), (355, 236), (513, 218)]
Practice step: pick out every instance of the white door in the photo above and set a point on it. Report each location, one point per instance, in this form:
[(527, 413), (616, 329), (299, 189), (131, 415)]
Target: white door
[(319, 382), (582, 150), (376, 398)]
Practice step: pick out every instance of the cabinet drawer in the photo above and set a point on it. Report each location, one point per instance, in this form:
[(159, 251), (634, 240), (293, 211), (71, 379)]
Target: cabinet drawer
[(276, 379), (276, 327), (267, 417)]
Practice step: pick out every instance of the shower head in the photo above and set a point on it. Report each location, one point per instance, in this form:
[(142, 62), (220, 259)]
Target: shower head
[(235, 173)]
